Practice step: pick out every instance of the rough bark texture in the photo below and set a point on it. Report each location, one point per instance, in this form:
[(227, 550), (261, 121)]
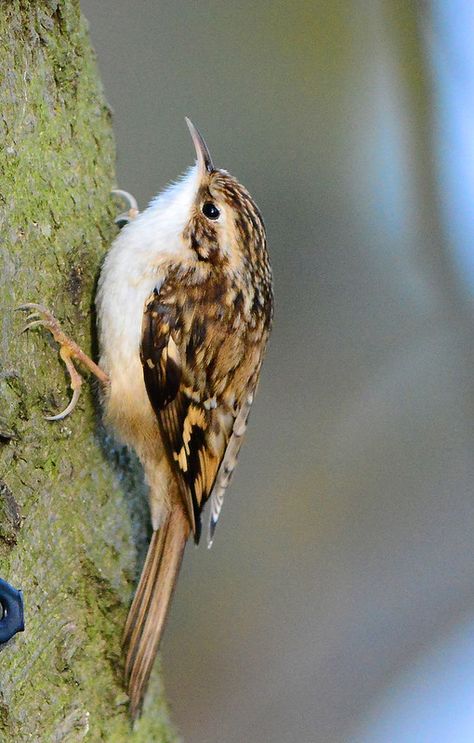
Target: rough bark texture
[(72, 513)]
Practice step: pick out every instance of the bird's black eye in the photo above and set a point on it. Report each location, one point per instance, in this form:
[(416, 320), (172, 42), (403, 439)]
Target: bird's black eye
[(210, 210)]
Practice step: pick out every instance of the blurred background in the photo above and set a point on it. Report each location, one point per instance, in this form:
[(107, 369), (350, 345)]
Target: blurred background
[(337, 603)]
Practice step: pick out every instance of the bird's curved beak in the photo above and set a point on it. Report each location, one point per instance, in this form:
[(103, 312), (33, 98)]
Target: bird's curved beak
[(204, 158)]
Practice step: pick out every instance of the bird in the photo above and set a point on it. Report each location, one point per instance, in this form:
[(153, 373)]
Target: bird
[(184, 308)]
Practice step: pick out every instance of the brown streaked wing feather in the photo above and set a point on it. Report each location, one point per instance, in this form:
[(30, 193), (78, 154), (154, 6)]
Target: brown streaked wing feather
[(159, 354), (188, 427), (228, 463)]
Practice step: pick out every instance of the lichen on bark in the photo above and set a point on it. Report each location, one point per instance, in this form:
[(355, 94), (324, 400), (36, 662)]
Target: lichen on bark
[(72, 510)]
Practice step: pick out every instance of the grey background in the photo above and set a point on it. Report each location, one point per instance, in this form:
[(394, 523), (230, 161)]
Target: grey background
[(345, 547)]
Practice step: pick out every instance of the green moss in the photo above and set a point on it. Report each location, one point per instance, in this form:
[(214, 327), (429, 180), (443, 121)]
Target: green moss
[(70, 528)]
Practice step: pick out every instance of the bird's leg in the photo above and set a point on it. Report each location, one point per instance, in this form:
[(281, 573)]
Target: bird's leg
[(126, 217), (68, 350)]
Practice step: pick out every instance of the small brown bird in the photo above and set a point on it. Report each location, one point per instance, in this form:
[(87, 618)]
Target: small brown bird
[(184, 309)]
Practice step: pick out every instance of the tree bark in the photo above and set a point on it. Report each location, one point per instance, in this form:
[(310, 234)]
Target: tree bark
[(73, 517)]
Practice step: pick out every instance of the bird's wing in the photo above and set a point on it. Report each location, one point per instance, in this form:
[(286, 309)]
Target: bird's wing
[(196, 430), (227, 466), (159, 354)]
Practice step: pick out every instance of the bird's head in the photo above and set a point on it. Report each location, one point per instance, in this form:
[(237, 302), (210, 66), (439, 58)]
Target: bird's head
[(225, 225), (213, 217)]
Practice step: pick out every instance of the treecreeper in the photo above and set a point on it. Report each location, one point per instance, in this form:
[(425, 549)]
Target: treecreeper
[(184, 308)]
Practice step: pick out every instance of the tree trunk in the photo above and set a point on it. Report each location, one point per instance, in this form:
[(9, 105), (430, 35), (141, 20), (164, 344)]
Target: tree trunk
[(73, 517)]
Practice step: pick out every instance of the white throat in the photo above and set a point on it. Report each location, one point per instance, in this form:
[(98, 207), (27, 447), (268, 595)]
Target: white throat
[(165, 218)]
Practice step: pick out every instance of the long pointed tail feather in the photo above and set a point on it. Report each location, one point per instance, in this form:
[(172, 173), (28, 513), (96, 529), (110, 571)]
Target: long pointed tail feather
[(147, 615)]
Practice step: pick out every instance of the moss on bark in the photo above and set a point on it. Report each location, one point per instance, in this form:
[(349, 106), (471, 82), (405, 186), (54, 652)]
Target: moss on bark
[(71, 507)]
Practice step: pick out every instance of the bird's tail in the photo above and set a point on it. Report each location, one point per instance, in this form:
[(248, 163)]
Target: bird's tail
[(149, 608)]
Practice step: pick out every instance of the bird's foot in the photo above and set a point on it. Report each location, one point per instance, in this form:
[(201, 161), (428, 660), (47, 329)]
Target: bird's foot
[(42, 317), (126, 217)]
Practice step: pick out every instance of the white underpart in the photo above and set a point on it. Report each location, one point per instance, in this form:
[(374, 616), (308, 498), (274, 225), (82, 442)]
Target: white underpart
[(136, 264)]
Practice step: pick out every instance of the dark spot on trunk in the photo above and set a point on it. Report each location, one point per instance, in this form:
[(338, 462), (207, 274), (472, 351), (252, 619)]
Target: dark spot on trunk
[(6, 432), (74, 284), (10, 517)]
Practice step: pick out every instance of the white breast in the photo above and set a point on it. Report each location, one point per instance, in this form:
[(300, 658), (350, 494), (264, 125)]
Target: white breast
[(124, 287), (137, 263)]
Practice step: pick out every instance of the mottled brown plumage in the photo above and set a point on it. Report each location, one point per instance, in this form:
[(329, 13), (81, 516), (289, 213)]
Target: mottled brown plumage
[(203, 339), (184, 306), (204, 334)]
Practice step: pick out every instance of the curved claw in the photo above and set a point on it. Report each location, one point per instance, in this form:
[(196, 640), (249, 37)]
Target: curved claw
[(132, 202), (33, 324), (39, 316), (34, 306), (33, 316), (76, 383), (131, 213), (68, 409), (68, 350)]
